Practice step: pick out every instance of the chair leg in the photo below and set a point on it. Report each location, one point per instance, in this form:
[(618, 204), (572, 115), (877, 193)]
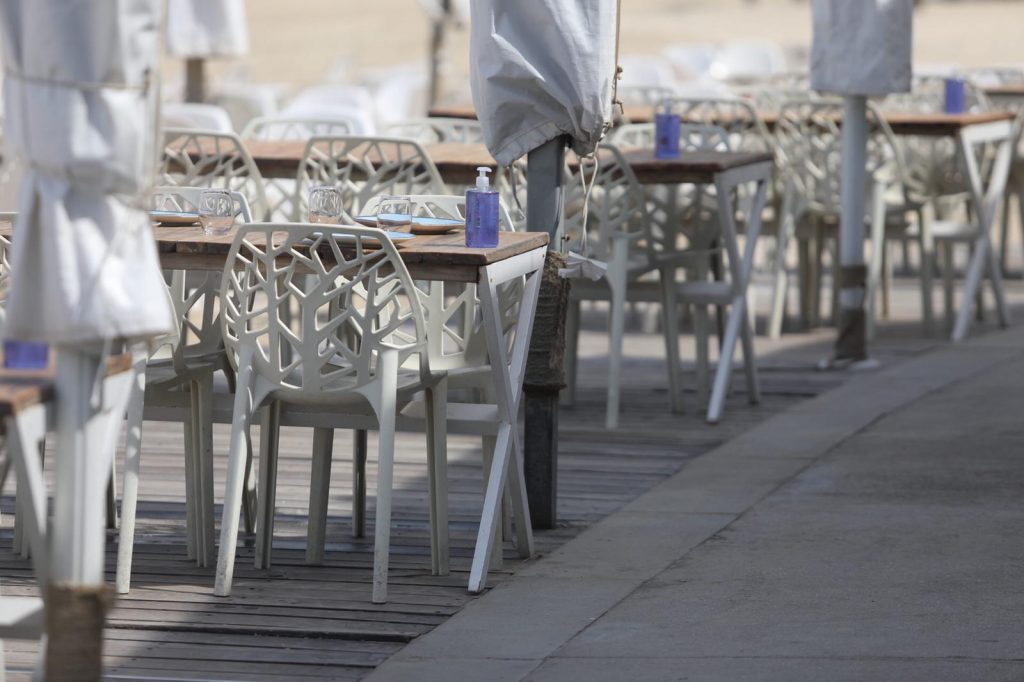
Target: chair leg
[(927, 248), (617, 327), (112, 495), (385, 408), (750, 361), (359, 448), (21, 546), (947, 283), (191, 512), (780, 280), (249, 495), (130, 484), (998, 293), (319, 494), (701, 333), (670, 327), (572, 340), (266, 490), (437, 475), (202, 428), (1004, 231), (245, 402)]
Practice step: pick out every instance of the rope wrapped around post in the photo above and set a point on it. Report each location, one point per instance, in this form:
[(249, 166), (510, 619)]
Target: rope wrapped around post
[(75, 616)]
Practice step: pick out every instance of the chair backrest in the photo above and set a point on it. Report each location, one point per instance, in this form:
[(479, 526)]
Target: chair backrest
[(437, 129), (297, 128), (364, 167), (330, 99), (354, 299), (809, 151), (193, 295), (5, 270), (691, 136), (196, 116), (743, 60), (739, 118), (617, 206), (200, 158), (454, 331)]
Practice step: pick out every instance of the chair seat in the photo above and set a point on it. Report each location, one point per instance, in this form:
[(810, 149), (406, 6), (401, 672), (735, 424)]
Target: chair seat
[(951, 230)]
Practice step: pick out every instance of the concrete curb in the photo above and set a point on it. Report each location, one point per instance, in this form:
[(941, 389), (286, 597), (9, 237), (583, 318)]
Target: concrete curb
[(508, 632)]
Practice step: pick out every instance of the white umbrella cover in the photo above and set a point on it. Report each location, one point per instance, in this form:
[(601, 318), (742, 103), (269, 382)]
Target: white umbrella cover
[(206, 28), (541, 69), (77, 101)]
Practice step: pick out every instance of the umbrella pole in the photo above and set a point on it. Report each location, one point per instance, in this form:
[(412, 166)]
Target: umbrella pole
[(76, 596), (545, 374), (851, 343)]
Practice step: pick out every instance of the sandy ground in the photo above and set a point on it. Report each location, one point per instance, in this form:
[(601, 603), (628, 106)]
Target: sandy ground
[(297, 43)]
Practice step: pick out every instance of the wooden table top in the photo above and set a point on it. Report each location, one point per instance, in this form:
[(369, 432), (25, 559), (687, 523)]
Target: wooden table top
[(696, 166), (1004, 90), (456, 162), (20, 389), (428, 257), (901, 122)]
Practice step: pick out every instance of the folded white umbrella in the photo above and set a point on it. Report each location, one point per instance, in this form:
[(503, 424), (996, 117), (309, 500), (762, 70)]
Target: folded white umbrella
[(77, 116), (78, 102), (206, 28), (542, 69)]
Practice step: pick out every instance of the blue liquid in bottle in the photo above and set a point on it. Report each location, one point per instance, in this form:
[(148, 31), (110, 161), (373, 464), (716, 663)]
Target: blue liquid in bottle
[(666, 134), (26, 355), (482, 213)]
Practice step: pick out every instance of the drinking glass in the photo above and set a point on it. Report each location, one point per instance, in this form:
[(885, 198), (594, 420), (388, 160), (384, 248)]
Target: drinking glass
[(216, 211), (325, 205), (394, 214)]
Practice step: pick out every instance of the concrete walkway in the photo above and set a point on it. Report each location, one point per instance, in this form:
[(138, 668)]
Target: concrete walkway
[(871, 533)]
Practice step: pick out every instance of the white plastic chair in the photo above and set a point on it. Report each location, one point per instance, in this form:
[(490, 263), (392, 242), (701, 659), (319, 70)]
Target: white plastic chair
[(183, 364), (362, 168), (196, 116), (437, 129), (352, 103), (615, 245), (809, 149), (297, 128), (360, 349), (746, 61), (692, 61), (200, 158), (281, 191)]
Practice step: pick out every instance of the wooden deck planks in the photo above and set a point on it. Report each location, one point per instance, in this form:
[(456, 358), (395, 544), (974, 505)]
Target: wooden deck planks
[(316, 622)]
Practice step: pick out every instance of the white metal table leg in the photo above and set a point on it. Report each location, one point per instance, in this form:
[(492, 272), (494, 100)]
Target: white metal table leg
[(507, 373)]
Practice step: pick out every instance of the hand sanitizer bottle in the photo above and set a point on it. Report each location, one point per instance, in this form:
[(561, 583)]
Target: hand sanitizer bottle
[(482, 213)]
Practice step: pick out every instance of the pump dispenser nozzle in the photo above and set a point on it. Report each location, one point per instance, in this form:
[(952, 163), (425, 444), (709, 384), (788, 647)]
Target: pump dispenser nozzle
[(482, 181)]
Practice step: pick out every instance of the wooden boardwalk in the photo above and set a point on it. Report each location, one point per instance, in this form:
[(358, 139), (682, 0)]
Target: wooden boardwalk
[(301, 622)]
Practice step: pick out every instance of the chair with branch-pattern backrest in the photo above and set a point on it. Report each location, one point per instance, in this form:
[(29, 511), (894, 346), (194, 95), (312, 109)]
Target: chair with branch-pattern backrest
[(196, 354), (199, 158), (809, 152), (364, 167), (360, 342), (618, 240), (295, 128), (437, 129), (281, 191), (454, 333)]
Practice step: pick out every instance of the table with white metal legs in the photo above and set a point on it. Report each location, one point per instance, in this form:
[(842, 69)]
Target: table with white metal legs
[(727, 172)]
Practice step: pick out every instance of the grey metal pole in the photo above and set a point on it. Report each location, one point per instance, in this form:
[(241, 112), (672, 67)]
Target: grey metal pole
[(545, 377), (851, 343)]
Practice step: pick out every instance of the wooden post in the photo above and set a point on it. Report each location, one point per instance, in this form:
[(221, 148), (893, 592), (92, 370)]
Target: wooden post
[(195, 79), (437, 52), (545, 375)]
